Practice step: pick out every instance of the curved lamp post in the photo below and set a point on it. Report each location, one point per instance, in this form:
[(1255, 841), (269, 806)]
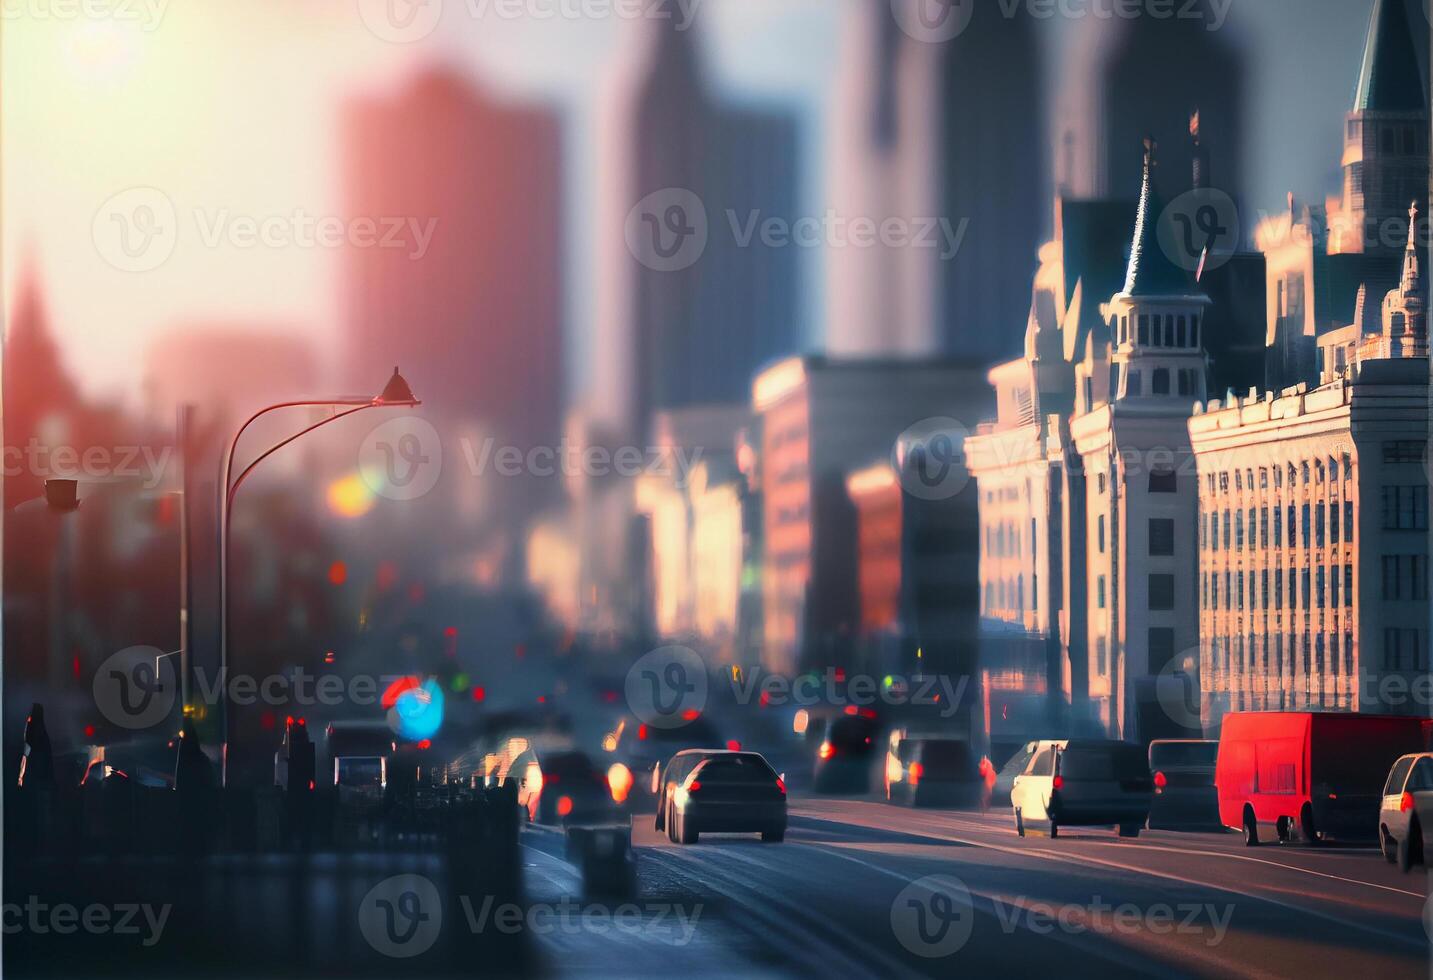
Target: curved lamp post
[(395, 394)]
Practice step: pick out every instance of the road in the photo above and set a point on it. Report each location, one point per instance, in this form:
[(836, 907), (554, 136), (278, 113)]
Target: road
[(837, 898), (857, 889)]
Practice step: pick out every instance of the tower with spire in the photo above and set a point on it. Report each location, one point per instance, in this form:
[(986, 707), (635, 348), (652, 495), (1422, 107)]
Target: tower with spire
[(1405, 309), (1385, 154)]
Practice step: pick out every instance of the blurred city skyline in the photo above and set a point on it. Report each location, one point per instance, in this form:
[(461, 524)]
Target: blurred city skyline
[(103, 116)]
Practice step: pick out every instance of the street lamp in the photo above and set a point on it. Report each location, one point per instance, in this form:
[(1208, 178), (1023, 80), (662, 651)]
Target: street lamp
[(395, 394)]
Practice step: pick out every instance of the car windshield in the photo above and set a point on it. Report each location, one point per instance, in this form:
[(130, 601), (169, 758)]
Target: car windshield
[(1096, 762), (1183, 754)]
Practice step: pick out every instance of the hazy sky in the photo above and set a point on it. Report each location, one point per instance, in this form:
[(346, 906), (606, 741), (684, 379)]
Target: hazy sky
[(226, 110)]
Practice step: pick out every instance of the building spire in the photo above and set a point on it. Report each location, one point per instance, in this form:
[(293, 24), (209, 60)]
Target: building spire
[(1151, 271), (1389, 79), (1412, 283)]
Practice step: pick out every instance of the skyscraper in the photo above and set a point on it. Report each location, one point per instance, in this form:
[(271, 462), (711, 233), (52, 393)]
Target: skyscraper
[(702, 330), (474, 314)]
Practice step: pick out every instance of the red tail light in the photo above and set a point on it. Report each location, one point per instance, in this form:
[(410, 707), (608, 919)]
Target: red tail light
[(1406, 803), (781, 785), (694, 786), (916, 771), (826, 750), (1159, 781), (641, 733), (1059, 782), (734, 745)]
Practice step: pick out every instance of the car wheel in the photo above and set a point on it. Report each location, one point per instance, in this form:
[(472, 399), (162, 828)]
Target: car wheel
[(1129, 830), (1306, 826), (773, 836), (1284, 830), (686, 833), (1387, 845), (1406, 847), (1251, 828), (1054, 830), (1019, 823), (660, 821), (671, 821)]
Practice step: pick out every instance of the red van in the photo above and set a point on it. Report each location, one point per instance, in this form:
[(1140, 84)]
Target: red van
[(1321, 772)]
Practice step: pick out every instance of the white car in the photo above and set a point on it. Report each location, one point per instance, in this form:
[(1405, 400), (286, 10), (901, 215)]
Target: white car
[(1407, 807), (1084, 783)]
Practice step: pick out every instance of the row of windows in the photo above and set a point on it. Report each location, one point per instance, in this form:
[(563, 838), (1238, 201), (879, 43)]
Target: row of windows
[(1263, 654), (1404, 508), (1230, 530), (1163, 330), (1403, 649), (1302, 473), (1187, 380), (1405, 577), (1237, 590)]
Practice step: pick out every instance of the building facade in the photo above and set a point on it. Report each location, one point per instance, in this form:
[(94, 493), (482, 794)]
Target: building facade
[(1313, 528)]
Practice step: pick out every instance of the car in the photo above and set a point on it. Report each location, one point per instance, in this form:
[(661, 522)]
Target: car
[(931, 770), (1314, 773), (1083, 783), (562, 787), (846, 753), (1407, 807), (1183, 775), (728, 792)]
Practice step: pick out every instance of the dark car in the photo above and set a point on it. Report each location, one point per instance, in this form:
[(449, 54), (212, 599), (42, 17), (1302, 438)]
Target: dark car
[(1083, 783), (846, 754), (1183, 776), (931, 771), (563, 787), (728, 792)]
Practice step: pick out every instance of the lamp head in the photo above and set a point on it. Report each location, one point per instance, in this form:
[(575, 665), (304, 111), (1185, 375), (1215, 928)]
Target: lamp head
[(397, 392)]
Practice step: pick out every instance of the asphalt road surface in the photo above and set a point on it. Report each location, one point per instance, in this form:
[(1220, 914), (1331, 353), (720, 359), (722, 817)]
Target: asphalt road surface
[(860, 888)]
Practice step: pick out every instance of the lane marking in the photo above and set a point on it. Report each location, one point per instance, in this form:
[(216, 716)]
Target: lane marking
[(1117, 954), (1079, 860)]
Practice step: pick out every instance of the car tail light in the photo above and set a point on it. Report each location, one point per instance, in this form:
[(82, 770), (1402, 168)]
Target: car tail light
[(781, 785), (694, 786), (1406, 803), (1059, 782), (564, 806), (916, 771), (641, 733), (734, 745), (1159, 781), (826, 750)]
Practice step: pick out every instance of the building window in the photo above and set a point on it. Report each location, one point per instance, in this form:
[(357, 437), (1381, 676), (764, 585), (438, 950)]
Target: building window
[(1161, 592), (1305, 516), (1228, 534), (1405, 508), (1348, 586), (1161, 648), (1181, 332), (1161, 537), (1100, 482), (1403, 451), (1161, 382), (1264, 589), (1305, 590), (1348, 521), (1239, 530), (1264, 527), (1102, 656), (1319, 524), (1319, 591), (1165, 481), (1278, 588), (1239, 590), (1134, 384), (1144, 328), (1194, 331), (1100, 592), (1333, 522), (1278, 527)]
